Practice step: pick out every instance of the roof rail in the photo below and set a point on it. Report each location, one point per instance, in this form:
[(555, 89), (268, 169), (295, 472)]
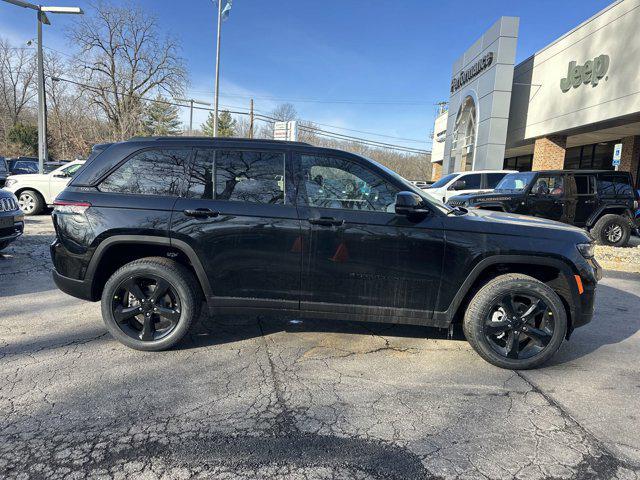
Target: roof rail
[(217, 139)]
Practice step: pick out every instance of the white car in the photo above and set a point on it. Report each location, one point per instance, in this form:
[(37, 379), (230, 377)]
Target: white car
[(35, 191), (460, 183)]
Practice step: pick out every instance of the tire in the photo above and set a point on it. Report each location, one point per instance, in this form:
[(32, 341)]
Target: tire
[(612, 230), (31, 202), (181, 303), (533, 348)]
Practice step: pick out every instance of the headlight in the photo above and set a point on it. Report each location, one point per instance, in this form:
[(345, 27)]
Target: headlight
[(586, 249), (10, 181)]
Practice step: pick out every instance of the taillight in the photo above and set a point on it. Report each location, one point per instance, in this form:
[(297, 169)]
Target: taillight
[(64, 206)]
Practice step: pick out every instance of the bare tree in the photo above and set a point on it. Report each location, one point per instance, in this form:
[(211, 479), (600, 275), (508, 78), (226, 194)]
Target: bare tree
[(17, 79), (125, 59)]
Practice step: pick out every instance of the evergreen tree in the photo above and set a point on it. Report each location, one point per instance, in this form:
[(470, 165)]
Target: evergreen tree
[(226, 125), (161, 118)]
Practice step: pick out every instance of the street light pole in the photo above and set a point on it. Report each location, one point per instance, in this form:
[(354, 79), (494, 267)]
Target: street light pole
[(43, 153), (42, 112), (215, 100)]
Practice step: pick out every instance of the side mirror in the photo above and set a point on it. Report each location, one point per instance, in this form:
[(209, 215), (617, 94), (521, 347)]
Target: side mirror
[(459, 185), (408, 203)]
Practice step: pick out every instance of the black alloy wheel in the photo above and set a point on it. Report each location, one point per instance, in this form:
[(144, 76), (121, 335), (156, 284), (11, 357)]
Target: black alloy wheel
[(150, 304), (519, 326), (515, 321), (146, 307)]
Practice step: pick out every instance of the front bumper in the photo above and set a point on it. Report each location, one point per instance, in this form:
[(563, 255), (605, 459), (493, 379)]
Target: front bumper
[(14, 230), (71, 286)]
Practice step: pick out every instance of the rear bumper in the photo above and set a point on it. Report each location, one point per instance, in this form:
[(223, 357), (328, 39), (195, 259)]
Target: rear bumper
[(71, 286)]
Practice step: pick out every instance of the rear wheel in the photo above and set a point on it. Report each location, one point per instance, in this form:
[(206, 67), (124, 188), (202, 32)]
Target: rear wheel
[(613, 230), (150, 304), (31, 202), (515, 322)]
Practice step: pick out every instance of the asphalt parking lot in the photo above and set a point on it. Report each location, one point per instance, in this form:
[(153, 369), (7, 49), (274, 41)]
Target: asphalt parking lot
[(266, 398)]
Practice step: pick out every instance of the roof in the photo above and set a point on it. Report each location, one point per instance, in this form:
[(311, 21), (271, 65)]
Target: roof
[(578, 171), (203, 139)]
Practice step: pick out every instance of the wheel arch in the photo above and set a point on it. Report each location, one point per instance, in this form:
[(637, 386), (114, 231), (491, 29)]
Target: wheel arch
[(551, 271), (117, 250), (606, 210)]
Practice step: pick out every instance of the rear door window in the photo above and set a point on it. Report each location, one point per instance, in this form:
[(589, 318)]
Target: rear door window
[(585, 185), (150, 172), (238, 175)]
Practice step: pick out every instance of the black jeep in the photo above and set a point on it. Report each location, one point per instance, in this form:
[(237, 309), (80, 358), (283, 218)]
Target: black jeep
[(603, 202), (152, 227)]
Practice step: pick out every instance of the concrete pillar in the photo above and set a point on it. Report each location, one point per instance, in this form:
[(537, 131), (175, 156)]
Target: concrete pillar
[(548, 153), (630, 156), (436, 171)]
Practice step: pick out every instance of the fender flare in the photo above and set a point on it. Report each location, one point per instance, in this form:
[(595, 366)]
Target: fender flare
[(563, 267), (595, 216), (183, 247)]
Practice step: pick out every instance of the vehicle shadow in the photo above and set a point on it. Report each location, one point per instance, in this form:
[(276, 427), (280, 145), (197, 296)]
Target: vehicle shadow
[(615, 320), (221, 330)]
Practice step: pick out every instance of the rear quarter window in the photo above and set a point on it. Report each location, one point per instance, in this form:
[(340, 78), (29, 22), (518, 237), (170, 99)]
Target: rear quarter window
[(615, 185), (150, 172)]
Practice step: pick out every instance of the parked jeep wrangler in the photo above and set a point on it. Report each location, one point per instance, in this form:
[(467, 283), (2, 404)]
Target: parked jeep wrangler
[(603, 202), (152, 227)]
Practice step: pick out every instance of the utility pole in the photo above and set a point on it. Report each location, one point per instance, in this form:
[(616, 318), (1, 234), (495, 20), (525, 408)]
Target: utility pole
[(191, 101), (251, 118), (217, 87)]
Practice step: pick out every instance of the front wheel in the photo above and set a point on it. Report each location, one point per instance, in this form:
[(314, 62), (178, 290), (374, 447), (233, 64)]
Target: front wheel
[(150, 304), (30, 202), (515, 322)]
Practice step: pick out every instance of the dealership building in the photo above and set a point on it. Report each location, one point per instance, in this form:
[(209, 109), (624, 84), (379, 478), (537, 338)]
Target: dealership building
[(565, 107)]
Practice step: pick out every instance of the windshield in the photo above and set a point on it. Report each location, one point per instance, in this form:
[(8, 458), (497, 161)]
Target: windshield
[(515, 182), (443, 181)]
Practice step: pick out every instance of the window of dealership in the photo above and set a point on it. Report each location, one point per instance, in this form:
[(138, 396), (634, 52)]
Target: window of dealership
[(565, 107)]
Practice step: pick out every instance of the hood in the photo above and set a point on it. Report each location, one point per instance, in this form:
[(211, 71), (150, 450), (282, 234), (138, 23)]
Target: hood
[(26, 176), (488, 221)]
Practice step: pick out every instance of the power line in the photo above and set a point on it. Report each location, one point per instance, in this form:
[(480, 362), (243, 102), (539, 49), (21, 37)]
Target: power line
[(259, 116), (317, 100)]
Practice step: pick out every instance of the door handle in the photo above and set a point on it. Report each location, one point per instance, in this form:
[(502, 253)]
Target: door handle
[(326, 221), (200, 212)]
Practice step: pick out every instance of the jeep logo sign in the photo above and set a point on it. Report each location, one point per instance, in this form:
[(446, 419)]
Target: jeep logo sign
[(473, 71), (591, 72)]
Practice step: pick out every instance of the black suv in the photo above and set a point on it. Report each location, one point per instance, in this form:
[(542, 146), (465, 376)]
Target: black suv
[(602, 201), (11, 219), (152, 227)]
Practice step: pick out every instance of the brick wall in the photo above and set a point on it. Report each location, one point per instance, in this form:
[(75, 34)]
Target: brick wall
[(436, 171), (548, 153), (630, 156)]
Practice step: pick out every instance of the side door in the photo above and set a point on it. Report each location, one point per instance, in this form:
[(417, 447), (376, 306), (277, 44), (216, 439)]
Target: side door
[(581, 198), (468, 183), (546, 198), (238, 218), (361, 259)]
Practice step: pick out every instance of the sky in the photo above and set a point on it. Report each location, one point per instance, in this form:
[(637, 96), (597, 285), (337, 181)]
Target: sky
[(377, 66)]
